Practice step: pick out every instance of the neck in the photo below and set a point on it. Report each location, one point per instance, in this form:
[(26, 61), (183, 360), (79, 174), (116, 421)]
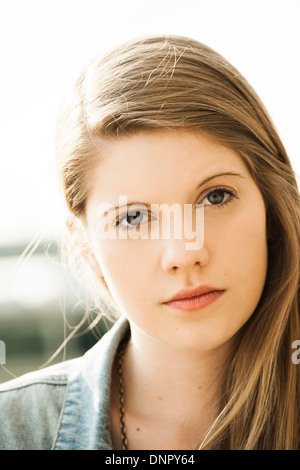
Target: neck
[(179, 388)]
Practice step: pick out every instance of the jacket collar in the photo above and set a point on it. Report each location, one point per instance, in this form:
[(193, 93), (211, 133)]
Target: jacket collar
[(85, 418)]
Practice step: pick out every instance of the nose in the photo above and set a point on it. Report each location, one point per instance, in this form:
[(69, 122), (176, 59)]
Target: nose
[(178, 253), (176, 256)]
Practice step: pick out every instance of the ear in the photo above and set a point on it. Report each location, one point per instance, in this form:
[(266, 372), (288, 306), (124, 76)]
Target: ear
[(81, 244)]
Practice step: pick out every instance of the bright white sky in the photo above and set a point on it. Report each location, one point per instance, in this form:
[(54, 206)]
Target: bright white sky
[(46, 43)]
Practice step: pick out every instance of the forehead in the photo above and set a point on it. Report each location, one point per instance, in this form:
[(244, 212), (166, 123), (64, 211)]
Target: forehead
[(153, 164)]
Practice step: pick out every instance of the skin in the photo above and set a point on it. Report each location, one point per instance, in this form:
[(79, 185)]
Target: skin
[(175, 362)]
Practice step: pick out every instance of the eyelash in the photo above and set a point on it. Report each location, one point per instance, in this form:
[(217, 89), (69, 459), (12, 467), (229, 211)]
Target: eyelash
[(220, 189), (123, 216)]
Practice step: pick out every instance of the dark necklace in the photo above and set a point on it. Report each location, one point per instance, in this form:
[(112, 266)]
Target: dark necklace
[(121, 396)]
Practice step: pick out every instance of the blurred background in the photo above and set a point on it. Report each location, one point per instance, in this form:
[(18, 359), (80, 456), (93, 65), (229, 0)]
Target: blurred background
[(44, 45)]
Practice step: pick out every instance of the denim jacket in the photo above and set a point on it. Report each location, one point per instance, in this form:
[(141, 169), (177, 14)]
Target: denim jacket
[(65, 406)]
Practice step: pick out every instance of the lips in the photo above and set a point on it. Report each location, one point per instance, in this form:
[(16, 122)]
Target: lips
[(190, 293), (189, 300)]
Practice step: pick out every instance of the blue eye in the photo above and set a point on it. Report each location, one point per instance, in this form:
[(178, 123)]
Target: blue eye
[(132, 219), (217, 196)]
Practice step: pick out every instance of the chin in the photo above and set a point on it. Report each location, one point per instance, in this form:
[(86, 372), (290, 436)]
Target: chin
[(199, 341)]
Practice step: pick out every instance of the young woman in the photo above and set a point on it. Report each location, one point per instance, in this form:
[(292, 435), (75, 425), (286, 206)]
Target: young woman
[(201, 356)]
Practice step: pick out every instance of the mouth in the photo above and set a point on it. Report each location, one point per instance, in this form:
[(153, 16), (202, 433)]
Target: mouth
[(194, 302)]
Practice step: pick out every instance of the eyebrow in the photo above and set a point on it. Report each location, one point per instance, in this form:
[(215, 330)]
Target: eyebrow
[(227, 173)]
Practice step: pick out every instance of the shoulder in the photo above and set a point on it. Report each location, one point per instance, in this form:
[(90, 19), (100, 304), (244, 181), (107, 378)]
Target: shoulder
[(33, 406), (31, 403)]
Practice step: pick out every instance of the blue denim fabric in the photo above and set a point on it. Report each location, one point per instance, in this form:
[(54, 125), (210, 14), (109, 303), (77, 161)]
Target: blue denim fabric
[(65, 406)]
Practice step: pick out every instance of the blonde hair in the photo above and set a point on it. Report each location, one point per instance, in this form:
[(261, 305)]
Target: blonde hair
[(172, 82)]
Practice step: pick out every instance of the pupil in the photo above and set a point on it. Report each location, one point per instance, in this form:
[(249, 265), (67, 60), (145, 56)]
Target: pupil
[(132, 217), (217, 196)]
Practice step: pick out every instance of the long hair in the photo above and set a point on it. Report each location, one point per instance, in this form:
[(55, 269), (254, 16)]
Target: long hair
[(173, 82)]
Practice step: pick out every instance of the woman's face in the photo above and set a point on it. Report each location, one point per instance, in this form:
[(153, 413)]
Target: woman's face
[(143, 272)]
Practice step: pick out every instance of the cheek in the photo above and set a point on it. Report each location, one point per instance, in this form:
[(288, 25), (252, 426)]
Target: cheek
[(244, 252), (123, 265), (251, 242)]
